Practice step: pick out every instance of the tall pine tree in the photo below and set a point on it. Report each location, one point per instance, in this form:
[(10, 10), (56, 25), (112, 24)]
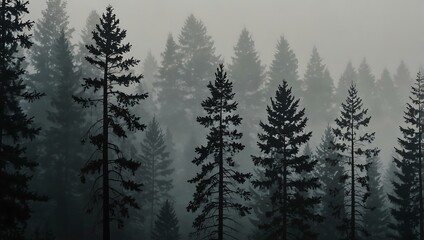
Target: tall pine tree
[(218, 185), (348, 77), (112, 169), (16, 127), (292, 210), (155, 172), (407, 197), (351, 144)]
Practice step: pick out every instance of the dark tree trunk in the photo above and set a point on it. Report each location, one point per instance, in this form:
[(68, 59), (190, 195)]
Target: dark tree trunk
[(106, 219), (221, 182), (420, 188), (352, 197)]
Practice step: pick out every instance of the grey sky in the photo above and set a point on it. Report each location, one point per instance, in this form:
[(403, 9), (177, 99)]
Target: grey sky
[(383, 31)]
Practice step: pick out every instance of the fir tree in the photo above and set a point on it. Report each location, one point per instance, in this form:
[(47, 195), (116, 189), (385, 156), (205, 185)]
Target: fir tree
[(166, 225), (376, 218), (367, 86), (318, 96), (280, 143), (348, 77), (407, 197), (389, 105), (16, 128), (403, 82), (198, 60), (170, 93), (155, 171), (284, 66), (107, 54), (150, 72), (351, 145), (332, 194), (54, 20), (63, 155), (218, 183)]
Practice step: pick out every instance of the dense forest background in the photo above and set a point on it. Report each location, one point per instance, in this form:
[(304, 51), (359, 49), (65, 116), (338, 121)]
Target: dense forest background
[(221, 121)]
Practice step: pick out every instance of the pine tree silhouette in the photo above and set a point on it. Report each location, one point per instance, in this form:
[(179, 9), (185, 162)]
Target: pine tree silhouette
[(166, 225), (407, 197), (351, 144), (292, 210), (16, 128), (218, 185), (107, 54)]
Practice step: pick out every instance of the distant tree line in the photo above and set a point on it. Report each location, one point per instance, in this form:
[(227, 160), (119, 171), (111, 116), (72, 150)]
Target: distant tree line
[(253, 154)]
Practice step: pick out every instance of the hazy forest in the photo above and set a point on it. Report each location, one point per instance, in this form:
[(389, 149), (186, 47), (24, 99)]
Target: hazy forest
[(199, 137)]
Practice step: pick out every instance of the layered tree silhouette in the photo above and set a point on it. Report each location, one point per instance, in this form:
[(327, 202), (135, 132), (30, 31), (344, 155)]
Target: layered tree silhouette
[(331, 191), (407, 196), (155, 172), (16, 127), (286, 170), (219, 185), (166, 225), (108, 163), (352, 141)]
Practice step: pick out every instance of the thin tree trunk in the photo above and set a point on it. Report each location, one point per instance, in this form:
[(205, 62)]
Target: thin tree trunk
[(152, 210), (284, 196), (420, 166), (106, 219)]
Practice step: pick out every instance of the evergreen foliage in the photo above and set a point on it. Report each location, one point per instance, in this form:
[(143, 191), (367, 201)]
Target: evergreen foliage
[(155, 171), (16, 127), (332, 194), (284, 66), (356, 158), (166, 225), (113, 192), (407, 198), (292, 210), (219, 184), (348, 77)]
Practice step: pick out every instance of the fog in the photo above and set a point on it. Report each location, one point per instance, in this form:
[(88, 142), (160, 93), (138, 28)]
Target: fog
[(382, 31)]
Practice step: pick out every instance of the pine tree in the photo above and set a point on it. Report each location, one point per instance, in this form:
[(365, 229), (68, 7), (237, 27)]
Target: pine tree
[(389, 104), (318, 96), (198, 60), (407, 197), (332, 195), (16, 128), (284, 66), (54, 19), (403, 82), (150, 72), (367, 86), (351, 141), (63, 155), (247, 72), (170, 93), (280, 143), (155, 171), (107, 54), (348, 77), (376, 218), (166, 225), (218, 185)]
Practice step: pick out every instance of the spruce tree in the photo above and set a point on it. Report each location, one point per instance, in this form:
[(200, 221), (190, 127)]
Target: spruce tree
[(155, 172), (284, 66), (283, 136), (376, 218), (170, 93), (367, 86), (319, 90), (407, 197), (53, 21), (166, 225), (64, 153), (113, 193), (219, 184), (389, 104), (198, 60), (332, 194), (16, 127), (403, 82), (150, 71), (351, 144), (348, 77)]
